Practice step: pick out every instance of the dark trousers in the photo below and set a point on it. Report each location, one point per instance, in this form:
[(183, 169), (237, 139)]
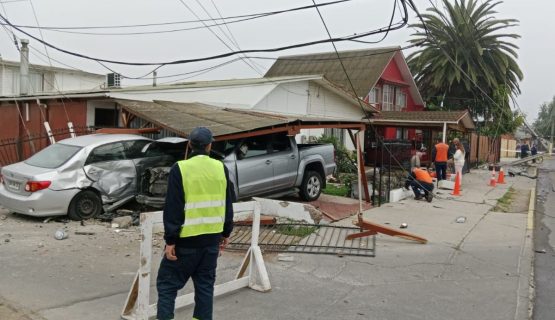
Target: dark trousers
[(420, 186), (441, 170), (197, 263)]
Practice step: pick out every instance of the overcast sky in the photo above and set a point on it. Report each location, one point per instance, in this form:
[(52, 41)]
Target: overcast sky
[(355, 16)]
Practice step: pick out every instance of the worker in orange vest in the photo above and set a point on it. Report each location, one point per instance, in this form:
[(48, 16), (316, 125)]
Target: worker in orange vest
[(439, 157), (421, 182)]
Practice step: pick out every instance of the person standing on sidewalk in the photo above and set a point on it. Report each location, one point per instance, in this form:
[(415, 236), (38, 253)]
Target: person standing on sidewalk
[(198, 220), (458, 158), (439, 157)]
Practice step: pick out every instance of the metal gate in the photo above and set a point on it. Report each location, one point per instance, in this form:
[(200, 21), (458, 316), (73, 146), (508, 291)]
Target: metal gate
[(304, 238)]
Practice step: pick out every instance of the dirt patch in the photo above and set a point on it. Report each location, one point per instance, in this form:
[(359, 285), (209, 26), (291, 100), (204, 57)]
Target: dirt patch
[(514, 201), (9, 312)]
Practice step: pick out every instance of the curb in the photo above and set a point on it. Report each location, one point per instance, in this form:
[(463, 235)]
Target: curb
[(530, 230)]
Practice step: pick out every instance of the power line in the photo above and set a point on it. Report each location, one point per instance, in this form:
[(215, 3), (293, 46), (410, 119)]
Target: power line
[(184, 61), (235, 19)]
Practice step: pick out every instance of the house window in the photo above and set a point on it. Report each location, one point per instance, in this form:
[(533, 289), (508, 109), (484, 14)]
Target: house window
[(388, 94), (400, 100), (373, 95), (337, 133), (402, 134)]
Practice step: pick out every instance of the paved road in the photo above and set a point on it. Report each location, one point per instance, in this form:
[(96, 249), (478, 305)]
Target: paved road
[(544, 239)]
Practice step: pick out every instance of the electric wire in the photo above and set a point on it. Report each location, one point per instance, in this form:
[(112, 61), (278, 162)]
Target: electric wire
[(242, 17), (212, 57)]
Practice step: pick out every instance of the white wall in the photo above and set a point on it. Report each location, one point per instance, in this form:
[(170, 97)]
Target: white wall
[(325, 103), (241, 97), (47, 81), (286, 98), (64, 81)]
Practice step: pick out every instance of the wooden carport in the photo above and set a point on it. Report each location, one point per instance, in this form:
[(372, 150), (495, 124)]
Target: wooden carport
[(229, 123)]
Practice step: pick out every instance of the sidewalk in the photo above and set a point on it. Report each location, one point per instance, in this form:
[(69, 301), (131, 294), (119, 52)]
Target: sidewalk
[(479, 269)]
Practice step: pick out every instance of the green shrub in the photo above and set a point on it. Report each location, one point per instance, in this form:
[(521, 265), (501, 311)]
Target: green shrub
[(344, 159)]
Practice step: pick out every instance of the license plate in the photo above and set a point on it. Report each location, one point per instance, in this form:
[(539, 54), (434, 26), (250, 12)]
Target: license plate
[(14, 185)]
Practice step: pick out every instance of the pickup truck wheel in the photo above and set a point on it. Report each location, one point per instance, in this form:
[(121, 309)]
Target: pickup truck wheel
[(311, 186), (85, 205)]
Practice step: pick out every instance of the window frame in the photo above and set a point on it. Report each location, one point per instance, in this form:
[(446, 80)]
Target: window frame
[(89, 161), (389, 102), (400, 93)]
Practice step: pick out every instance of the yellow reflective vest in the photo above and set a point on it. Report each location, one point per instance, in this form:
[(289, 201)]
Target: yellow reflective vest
[(204, 185)]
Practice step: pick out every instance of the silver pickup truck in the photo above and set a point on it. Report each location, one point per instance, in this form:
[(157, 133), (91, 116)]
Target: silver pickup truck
[(270, 164)]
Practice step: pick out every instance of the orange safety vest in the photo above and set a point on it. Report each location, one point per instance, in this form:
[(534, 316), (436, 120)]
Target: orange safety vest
[(422, 175), (441, 152)]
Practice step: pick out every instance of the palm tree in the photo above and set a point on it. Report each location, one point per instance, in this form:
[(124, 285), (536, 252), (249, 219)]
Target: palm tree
[(467, 37)]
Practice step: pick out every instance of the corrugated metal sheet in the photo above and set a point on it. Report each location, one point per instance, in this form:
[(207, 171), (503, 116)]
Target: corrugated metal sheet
[(363, 66), (181, 118)]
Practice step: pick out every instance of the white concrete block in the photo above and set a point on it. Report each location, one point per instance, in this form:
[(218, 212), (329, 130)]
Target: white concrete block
[(446, 184), (288, 209), (397, 195)]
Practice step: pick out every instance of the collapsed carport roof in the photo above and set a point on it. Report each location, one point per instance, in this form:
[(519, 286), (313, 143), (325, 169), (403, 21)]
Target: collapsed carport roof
[(225, 123)]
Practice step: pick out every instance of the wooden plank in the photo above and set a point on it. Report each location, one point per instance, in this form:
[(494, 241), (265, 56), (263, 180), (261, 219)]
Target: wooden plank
[(264, 220), (360, 235), (367, 225), (128, 130)]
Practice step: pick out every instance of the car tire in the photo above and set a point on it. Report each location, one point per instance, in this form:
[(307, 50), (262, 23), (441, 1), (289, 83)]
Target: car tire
[(311, 186), (85, 205)]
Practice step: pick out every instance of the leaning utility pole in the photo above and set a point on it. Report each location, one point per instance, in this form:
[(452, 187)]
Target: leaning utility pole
[(552, 127)]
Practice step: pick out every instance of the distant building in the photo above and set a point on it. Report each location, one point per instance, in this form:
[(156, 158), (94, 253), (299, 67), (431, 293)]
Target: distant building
[(44, 79)]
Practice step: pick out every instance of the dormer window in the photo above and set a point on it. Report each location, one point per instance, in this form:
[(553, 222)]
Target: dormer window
[(374, 95), (388, 96), (400, 100)]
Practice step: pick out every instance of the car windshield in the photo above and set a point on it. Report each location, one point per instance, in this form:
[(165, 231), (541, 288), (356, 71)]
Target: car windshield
[(53, 156)]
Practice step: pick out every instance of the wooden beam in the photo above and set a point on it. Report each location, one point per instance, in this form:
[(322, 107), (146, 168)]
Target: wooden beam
[(352, 136), (128, 130), (363, 174), (374, 227)]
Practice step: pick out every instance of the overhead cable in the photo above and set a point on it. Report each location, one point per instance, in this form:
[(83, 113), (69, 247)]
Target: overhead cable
[(184, 61), (216, 22)]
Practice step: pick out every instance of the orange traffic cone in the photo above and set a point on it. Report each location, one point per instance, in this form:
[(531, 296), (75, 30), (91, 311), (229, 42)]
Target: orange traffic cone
[(501, 178), (457, 190), (492, 179)]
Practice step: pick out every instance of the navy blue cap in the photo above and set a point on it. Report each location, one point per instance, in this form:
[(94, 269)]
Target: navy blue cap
[(201, 136)]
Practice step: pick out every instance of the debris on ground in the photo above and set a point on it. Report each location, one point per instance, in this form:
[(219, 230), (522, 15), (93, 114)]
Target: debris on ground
[(47, 220), (3, 217), (285, 257), (404, 225), (122, 222), (85, 233), (61, 234), (460, 219), (540, 251)]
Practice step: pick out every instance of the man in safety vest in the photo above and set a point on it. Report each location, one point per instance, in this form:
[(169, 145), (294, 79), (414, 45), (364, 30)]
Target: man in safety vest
[(421, 182), (440, 157), (198, 219)]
